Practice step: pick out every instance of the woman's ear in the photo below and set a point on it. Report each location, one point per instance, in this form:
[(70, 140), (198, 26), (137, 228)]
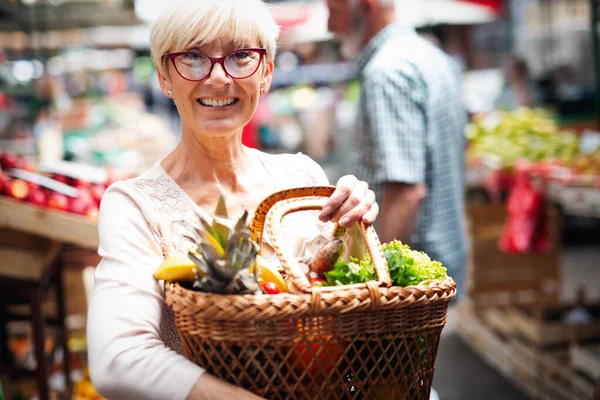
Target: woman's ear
[(165, 84), (267, 77)]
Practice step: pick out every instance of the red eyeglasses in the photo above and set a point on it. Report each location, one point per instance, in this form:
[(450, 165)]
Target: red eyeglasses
[(196, 66)]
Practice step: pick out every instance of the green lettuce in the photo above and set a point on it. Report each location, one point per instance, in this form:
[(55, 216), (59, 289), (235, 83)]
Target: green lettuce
[(407, 267)]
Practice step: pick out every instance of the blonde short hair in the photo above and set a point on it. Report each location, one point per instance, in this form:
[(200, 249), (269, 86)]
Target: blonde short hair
[(189, 23)]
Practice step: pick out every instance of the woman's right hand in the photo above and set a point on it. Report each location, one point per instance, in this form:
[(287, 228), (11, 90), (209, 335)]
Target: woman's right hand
[(208, 387)]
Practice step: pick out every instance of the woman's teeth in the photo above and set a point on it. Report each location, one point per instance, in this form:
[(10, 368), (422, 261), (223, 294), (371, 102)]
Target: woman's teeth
[(216, 103)]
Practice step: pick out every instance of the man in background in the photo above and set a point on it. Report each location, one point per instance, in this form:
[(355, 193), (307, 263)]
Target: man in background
[(410, 134)]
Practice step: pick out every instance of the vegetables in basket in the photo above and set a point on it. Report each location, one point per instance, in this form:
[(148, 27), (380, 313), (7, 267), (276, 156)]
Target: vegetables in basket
[(407, 267)]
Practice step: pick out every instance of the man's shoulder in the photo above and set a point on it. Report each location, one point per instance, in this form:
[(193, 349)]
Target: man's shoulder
[(408, 54)]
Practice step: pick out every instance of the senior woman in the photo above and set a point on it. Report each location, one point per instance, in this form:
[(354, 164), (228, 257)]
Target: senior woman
[(214, 59)]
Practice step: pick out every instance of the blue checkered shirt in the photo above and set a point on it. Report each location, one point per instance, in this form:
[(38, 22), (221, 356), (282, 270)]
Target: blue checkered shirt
[(411, 124)]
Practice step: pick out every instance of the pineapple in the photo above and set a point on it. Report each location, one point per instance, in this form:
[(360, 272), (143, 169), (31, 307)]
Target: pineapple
[(224, 254)]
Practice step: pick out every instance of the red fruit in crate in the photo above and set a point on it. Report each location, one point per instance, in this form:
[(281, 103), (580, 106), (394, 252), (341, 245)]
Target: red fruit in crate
[(8, 161), (84, 193), (17, 189), (270, 288), (80, 205), (61, 179), (3, 180), (33, 187), (97, 191), (81, 183), (38, 198), (25, 164), (58, 201), (92, 213)]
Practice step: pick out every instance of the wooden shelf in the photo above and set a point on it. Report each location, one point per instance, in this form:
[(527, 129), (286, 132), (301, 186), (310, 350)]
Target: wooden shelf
[(56, 225)]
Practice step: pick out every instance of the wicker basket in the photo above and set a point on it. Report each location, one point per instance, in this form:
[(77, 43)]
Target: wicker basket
[(363, 341)]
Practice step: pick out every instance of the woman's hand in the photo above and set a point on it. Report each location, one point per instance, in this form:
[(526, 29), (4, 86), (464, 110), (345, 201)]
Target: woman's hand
[(350, 202), (208, 387)]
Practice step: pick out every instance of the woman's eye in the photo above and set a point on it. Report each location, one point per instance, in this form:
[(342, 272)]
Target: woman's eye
[(242, 55), (192, 57)]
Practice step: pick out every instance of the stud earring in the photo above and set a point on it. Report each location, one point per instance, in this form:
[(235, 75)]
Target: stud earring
[(262, 90), (170, 93)]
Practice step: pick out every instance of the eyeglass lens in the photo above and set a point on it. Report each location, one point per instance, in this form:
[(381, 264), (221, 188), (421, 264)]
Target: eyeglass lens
[(240, 64)]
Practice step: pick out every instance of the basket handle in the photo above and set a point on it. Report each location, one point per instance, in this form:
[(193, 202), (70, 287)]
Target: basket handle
[(302, 199)]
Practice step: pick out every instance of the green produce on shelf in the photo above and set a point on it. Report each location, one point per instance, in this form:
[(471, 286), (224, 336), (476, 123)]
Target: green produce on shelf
[(525, 133)]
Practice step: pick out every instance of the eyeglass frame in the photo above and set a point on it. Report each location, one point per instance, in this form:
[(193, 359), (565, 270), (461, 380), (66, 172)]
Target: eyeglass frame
[(213, 60)]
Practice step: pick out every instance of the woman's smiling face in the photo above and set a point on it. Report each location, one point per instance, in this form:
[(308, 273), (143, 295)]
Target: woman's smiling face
[(218, 105)]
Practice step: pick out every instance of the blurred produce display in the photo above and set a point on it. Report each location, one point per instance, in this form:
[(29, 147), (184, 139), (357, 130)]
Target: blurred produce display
[(587, 164), (64, 190), (503, 138)]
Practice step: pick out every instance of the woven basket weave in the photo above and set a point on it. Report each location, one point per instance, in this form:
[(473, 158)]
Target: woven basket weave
[(363, 341)]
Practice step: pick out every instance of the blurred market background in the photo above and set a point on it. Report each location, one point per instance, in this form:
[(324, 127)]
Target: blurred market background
[(80, 104)]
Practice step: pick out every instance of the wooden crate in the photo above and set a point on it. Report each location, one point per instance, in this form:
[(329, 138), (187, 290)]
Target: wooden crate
[(542, 325), (497, 278), (586, 359), (543, 373), (51, 224), (25, 233)]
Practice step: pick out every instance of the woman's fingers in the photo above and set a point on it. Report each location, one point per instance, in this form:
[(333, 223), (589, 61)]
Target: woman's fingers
[(351, 201), (358, 212), (343, 191), (370, 216)]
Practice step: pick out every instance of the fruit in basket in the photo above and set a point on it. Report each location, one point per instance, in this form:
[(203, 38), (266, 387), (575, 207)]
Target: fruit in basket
[(177, 269), (268, 273), (317, 282), (318, 358), (270, 288), (17, 189), (225, 252)]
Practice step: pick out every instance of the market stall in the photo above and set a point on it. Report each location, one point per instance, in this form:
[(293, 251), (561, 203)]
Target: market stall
[(527, 177), (48, 236)]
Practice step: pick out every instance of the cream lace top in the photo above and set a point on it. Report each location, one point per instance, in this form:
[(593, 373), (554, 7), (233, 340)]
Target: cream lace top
[(133, 348)]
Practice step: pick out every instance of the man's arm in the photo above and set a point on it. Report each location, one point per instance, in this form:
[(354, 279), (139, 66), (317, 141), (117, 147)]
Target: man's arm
[(399, 211), (395, 102)]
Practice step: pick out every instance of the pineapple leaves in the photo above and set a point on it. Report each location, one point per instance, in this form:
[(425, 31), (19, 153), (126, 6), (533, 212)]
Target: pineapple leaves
[(221, 208), (241, 224), (224, 253), (212, 237)]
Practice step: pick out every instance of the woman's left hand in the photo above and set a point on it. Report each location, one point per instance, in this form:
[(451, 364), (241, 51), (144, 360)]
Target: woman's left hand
[(350, 202)]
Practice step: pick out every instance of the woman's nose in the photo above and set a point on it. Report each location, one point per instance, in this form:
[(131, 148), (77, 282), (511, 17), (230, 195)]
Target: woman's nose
[(218, 76)]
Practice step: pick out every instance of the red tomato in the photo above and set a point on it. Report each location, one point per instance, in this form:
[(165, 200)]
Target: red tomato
[(270, 288), (317, 282), (313, 355)]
